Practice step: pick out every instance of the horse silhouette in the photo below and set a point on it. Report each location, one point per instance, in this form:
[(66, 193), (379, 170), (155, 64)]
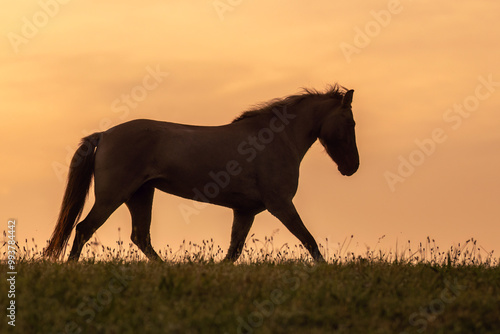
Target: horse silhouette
[(249, 165)]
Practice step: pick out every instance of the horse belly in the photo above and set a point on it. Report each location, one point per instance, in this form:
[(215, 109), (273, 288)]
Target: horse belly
[(220, 185)]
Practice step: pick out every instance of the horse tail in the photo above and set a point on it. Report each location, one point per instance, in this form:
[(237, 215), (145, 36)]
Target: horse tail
[(80, 175)]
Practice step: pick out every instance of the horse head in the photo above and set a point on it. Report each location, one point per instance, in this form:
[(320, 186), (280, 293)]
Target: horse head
[(338, 137)]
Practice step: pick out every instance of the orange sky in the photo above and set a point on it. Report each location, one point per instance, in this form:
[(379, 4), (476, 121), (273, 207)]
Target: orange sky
[(418, 70)]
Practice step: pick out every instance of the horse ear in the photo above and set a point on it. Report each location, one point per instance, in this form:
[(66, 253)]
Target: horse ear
[(347, 100)]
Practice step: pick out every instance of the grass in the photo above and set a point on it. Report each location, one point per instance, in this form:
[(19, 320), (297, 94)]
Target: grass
[(270, 290)]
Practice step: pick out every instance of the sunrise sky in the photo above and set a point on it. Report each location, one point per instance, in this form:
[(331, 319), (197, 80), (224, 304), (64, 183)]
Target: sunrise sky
[(427, 105)]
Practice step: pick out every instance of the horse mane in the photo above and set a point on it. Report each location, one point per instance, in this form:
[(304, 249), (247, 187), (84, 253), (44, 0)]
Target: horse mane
[(333, 91)]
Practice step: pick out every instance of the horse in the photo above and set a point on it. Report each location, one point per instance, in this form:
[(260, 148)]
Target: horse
[(249, 165)]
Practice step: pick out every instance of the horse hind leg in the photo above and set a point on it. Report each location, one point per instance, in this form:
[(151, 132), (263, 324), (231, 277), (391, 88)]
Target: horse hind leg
[(140, 205), (99, 213)]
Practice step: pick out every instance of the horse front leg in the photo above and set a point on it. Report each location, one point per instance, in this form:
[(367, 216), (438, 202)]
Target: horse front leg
[(285, 211), (242, 222)]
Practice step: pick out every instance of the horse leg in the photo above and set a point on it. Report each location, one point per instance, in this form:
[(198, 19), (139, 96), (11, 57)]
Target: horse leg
[(84, 230), (140, 205), (242, 222), (289, 216)]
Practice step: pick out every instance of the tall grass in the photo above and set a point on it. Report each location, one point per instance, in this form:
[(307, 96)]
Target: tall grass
[(257, 250), (413, 288)]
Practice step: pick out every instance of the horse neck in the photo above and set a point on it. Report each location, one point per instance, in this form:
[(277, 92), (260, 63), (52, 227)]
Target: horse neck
[(304, 129)]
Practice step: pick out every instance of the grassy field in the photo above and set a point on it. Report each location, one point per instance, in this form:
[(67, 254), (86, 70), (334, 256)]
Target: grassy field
[(263, 293)]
